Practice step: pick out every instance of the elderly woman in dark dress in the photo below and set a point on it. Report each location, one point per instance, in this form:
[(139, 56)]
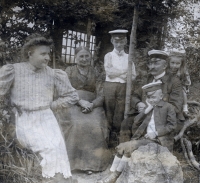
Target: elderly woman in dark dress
[(85, 125)]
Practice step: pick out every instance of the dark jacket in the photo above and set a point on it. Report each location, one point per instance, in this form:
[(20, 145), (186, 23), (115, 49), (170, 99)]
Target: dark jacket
[(172, 90), (165, 124)]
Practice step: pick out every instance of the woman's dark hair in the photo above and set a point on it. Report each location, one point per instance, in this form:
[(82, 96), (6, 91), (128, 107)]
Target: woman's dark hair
[(32, 41), (81, 48)]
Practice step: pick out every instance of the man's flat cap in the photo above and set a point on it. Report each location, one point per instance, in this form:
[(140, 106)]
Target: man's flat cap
[(158, 54)]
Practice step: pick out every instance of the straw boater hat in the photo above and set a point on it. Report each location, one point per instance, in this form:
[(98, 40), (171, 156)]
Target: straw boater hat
[(152, 86), (158, 54), (118, 34)]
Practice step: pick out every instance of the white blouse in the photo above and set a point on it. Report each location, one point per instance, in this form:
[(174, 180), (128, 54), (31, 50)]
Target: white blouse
[(31, 90)]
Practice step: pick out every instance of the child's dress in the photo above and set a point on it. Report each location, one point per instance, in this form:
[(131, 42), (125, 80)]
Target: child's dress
[(185, 80)]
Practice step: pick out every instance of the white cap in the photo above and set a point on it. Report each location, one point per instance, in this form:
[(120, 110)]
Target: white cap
[(152, 86), (158, 54), (118, 31)]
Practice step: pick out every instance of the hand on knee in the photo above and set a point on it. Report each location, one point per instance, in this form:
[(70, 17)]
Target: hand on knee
[(120, 150), (124, 148)]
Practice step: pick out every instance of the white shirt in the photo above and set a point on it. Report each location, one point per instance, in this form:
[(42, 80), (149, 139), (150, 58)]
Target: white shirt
[(157, 78), (151, 126), (116, 66)]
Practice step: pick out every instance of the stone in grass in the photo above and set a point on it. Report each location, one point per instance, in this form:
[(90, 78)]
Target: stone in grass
[(152, 164)]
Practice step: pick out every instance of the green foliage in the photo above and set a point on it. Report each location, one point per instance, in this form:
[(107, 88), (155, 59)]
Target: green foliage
[(193, 61), (45, 15), (16, 163), (20, 18), (153, 18), (183, 28)]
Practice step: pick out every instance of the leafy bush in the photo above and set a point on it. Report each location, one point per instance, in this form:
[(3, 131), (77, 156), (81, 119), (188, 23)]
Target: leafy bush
[(193, 61)]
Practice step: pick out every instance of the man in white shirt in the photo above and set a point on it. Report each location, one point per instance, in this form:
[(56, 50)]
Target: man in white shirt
[(156, 123), (116, 67)]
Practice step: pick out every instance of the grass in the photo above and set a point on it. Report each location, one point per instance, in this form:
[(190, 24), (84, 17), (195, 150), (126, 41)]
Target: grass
[(17, 165)]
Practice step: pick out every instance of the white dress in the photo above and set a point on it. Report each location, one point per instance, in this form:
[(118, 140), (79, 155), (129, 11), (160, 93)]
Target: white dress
[(36, 126)]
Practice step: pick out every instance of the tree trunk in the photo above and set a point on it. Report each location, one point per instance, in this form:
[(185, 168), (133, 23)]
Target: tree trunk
[(131, 59), (57, 36), (54, 58)]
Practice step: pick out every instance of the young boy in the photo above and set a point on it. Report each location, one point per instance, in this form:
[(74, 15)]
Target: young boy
[(116, 67), (155, 124)]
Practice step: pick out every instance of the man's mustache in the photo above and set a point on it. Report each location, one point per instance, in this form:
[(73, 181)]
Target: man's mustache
[(150, 70)]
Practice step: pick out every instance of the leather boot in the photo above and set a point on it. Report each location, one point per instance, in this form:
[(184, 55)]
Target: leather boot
[(112, 178)]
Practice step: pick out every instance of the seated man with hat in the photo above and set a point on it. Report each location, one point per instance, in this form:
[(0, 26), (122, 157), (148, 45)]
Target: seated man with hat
[(155, 123), (171, 87), (116, 67)]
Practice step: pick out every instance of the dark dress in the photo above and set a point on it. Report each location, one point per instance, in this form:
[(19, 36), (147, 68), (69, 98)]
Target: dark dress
[(85, 134)]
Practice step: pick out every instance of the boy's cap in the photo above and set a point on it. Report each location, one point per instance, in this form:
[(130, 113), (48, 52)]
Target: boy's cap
[(152, 86), (158, 54), (118, 34)]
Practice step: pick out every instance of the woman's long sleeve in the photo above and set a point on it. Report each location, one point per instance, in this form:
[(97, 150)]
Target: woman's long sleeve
[(66, 94), (7, 75)]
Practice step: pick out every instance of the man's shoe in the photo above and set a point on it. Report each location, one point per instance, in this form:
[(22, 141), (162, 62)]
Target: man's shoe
[(112, 178)]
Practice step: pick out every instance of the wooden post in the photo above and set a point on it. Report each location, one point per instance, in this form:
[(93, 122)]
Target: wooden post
[(131, 59), (54, 58), (89, 30)]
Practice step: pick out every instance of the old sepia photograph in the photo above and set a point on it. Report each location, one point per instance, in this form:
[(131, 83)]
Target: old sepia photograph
[(99, 91)]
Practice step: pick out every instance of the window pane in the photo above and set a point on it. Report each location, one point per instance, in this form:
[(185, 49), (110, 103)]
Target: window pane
[(64, 41), (72, 40), (67, 58), (68, 50), (73, 51), (69, 42), (63, 58), (63, 51)]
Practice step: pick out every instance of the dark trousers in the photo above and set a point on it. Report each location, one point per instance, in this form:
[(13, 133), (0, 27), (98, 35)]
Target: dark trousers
[(127, 129), (115, 104)]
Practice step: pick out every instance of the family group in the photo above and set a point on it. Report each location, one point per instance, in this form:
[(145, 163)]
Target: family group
[(70, 117)]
